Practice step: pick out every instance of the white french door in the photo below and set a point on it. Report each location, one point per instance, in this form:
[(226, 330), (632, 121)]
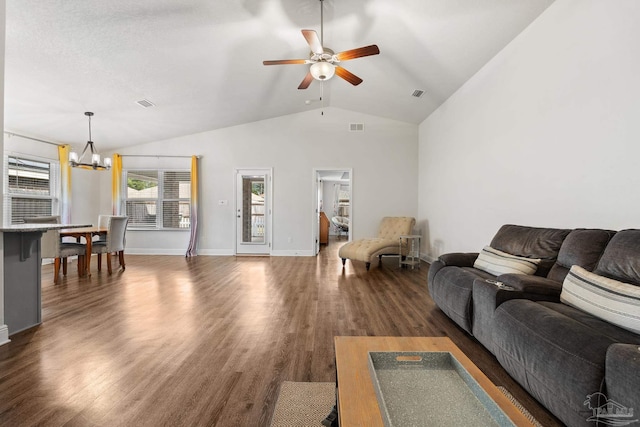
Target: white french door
[(253, 211)]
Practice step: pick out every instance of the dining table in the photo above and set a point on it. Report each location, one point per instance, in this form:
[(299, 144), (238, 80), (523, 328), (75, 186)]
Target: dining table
[(87, 233)]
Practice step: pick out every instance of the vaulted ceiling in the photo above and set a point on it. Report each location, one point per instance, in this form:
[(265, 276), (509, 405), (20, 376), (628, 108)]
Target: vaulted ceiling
[(200, 61)]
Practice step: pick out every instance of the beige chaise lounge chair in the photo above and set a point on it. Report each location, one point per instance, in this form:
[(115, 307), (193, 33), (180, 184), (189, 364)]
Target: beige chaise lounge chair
[(387, 242)]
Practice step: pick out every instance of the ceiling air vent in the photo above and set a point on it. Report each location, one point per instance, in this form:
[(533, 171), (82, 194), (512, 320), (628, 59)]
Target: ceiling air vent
[(356, 127), (145, 103), (417, 93)]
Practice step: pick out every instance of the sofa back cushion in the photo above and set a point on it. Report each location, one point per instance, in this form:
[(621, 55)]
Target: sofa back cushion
[(621, 258), (582, 247), (531, 242), (392, 227)]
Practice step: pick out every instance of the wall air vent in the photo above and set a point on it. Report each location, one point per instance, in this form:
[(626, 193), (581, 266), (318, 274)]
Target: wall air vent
[(356, 127), (417, 93), (145, 103)]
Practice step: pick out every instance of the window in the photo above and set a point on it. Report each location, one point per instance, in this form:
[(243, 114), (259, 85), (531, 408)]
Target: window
[(158, 199), (32, 188)]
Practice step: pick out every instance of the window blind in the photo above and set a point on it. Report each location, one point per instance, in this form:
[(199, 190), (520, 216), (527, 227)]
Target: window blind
[(32, 187)]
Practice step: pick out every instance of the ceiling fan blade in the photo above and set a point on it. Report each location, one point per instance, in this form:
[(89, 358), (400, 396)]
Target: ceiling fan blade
[(313, 40), (357, 53), (286, 61), (348, 75), (306, 81)]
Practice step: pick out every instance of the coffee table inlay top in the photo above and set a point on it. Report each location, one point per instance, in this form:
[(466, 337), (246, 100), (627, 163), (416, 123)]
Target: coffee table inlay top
[(357, 400)]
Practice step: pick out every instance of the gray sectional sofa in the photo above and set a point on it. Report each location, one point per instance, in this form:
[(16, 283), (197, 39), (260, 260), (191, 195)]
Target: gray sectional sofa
[(573, 362)]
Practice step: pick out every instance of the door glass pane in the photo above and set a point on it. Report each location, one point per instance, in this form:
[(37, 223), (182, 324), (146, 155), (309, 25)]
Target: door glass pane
[(253, 227)]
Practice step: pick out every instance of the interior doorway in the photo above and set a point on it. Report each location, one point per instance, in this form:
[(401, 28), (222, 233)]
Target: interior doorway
[(333, 205)]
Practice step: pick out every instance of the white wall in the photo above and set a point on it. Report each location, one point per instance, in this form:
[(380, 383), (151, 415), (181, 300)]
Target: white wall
[(546, 134), (383, 158)]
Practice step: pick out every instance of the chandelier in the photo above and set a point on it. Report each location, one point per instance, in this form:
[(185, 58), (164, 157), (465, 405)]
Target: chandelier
[(95, 156)]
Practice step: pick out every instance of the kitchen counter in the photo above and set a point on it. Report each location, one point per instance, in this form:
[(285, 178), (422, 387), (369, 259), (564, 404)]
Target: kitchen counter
[(22, 273)]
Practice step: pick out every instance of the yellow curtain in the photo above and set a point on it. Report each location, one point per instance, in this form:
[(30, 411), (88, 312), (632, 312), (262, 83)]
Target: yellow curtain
[(65, 184), (193, 211), (116, 184)]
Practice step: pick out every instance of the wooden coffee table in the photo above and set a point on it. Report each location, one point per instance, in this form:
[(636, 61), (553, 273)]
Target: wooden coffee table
[(357, 401)]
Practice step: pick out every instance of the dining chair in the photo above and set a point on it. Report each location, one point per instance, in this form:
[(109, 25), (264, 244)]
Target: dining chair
[(51, 246), (103, 222), (114, 242)]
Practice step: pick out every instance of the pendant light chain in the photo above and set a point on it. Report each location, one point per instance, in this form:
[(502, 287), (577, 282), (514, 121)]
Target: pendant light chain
[(90, 129)]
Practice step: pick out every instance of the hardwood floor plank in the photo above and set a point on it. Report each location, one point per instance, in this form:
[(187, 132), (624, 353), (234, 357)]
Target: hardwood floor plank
[(207, 341)]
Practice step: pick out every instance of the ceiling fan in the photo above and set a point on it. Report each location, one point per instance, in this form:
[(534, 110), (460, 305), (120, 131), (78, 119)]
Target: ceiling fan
[(324, 62)]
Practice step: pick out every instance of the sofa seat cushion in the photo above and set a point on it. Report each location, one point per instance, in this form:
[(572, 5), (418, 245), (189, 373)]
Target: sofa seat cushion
[(556, 352), (597, 326), (451, 289), (367, 249)]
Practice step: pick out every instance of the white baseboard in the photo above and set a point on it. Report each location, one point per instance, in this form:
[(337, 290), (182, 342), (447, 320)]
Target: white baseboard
[(4, 335), (209, 252), (154, 251), (216, 252), (293, 253)]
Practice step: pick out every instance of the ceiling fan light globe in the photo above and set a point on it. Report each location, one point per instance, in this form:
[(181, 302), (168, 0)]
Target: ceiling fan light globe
[(322, 70)]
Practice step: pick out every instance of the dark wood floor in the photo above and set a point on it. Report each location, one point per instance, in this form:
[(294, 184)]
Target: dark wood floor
[(208, 340)]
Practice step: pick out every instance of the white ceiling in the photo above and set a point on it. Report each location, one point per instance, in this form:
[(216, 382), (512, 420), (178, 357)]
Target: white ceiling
[(200, 61)]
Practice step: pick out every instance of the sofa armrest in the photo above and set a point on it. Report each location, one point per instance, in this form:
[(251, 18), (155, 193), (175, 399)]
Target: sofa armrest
[(459, 259), (491, 294), (487, 296), (532, 285), (622, 374)]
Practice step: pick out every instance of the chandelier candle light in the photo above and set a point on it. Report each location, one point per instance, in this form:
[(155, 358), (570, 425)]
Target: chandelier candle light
[(95, 156)]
